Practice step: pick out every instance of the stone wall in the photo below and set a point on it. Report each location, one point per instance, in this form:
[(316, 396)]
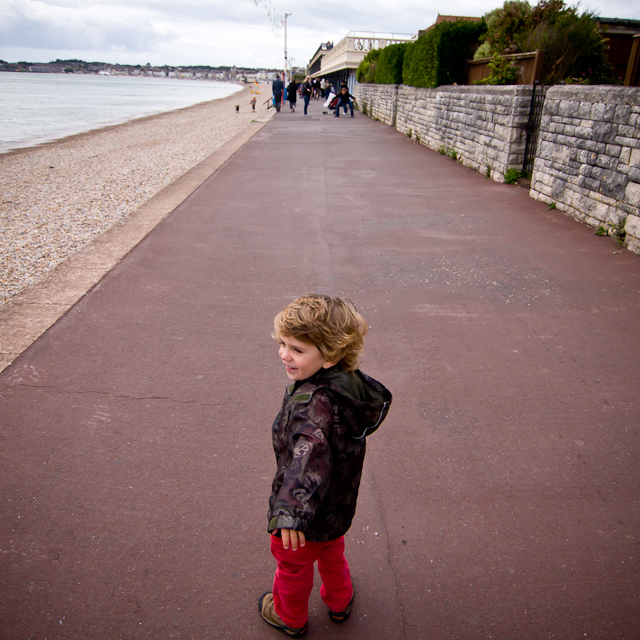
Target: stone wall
[(380, 101), (588, 159), (483, 127)]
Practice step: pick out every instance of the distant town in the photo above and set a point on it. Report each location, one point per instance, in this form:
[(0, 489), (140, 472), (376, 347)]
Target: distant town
[(200, 72)]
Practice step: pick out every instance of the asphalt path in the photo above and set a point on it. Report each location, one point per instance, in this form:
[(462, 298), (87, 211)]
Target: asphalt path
[(501, 497)]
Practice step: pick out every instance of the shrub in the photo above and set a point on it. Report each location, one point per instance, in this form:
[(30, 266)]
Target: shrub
[(575, 49), (512, 175), (389, 68), (573, 46), (418, 69), (503, 71), (503, 24), (439, 56), (366, 71)]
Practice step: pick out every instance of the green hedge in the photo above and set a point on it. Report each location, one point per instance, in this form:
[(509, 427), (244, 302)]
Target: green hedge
[(438, 57), (389, 68), (366, 71)]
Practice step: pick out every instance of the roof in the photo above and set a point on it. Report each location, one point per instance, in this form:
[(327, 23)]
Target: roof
[(441, 19)]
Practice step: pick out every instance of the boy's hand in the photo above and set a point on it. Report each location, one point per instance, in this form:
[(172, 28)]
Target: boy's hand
[(291, 536)]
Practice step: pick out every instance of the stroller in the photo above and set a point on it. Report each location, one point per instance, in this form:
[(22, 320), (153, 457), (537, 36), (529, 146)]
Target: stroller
[(330, 104)]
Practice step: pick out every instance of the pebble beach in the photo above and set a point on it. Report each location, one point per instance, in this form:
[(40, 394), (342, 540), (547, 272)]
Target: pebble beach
[(56, 198)]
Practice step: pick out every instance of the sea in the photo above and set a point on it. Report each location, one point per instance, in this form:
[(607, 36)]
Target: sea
[(42, 107)]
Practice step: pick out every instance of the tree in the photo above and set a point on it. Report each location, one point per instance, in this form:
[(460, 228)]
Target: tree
[(575, 49)]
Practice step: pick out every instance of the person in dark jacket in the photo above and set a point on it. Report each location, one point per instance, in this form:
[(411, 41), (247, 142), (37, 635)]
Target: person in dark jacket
[(319, 439), (278, 90), (307, 90), (292, 94), (344, 99)]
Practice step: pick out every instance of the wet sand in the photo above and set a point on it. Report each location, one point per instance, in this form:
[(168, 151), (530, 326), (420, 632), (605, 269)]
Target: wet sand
[(57, 197)]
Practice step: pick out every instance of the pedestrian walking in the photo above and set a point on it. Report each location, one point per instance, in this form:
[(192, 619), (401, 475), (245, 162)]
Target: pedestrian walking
[(278, 90), (252, 102), (307, 89), (319, 438), (292, 94)]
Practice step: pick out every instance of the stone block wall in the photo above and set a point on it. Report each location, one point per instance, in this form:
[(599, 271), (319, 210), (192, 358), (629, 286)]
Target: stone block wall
[(379, 101), (484, 126), (588, 158)]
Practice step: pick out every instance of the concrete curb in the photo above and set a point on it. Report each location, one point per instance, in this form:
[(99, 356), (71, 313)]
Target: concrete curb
[(27, 315)]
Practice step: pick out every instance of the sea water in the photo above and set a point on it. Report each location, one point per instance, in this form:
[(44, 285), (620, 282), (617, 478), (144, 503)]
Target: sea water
[(37, 108)]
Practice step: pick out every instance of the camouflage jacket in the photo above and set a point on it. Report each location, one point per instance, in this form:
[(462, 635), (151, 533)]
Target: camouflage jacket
[(319, 442)]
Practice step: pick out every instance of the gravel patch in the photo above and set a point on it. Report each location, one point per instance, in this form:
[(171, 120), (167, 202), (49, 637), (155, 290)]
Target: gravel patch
[(55, 198)]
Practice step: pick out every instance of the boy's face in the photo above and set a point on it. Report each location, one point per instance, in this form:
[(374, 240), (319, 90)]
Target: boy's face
[(301, 359)]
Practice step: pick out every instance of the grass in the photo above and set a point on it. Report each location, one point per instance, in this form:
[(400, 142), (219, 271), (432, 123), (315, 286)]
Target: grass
[(512, 175), (615, 230)]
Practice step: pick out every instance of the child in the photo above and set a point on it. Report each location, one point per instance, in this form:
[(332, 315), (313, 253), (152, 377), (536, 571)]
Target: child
[(344, 99), (319, 442), (253, 103)]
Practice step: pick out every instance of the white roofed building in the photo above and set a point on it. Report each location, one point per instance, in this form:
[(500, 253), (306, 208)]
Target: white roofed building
[(339, 62)]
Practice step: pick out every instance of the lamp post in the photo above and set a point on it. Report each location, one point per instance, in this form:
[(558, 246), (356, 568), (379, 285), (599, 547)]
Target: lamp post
[(287, 78)]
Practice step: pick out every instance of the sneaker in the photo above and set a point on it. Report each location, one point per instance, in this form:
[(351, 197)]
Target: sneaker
[(343, 615), (267, 610)]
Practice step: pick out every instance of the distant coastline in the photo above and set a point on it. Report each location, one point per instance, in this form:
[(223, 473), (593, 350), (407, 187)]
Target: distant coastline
[(186, 72)]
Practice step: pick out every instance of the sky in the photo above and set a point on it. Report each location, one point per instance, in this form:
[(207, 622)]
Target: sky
[(241, 33)]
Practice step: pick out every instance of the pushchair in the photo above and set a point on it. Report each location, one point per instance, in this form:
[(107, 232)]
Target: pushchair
[(330, 104)]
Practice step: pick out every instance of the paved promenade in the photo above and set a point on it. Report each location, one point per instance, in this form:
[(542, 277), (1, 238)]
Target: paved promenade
[(501, 498)]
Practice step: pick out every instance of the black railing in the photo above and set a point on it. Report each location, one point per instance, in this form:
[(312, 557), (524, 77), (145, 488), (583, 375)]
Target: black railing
[(533, 126)]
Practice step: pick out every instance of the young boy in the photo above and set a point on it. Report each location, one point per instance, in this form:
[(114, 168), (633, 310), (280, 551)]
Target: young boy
[(345, 99), (319, 442)]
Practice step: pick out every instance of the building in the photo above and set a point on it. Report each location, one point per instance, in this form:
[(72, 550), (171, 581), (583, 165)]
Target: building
[(339, 63), (46, 68), (441, 19), (620, 33)]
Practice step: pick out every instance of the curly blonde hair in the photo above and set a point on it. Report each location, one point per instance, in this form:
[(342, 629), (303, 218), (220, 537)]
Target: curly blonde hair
[(331, 324)]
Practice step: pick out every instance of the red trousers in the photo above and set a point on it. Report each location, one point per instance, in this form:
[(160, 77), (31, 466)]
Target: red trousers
[(293, 581)]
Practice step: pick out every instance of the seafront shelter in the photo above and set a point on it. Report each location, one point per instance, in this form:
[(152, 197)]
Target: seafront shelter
[(338, 63)]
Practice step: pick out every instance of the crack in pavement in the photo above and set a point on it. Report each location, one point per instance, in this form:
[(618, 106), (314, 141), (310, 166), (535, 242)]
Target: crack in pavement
[(383, 526), (113, 395)]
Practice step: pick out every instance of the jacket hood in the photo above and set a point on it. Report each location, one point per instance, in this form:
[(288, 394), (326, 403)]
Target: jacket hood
[(364, 401)]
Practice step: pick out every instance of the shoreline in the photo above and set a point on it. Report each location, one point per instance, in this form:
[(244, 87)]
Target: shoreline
[(58, 196), (105, 127)]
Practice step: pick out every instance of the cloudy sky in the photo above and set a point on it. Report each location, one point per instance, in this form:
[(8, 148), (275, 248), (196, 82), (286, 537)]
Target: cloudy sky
[(245, 33)]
